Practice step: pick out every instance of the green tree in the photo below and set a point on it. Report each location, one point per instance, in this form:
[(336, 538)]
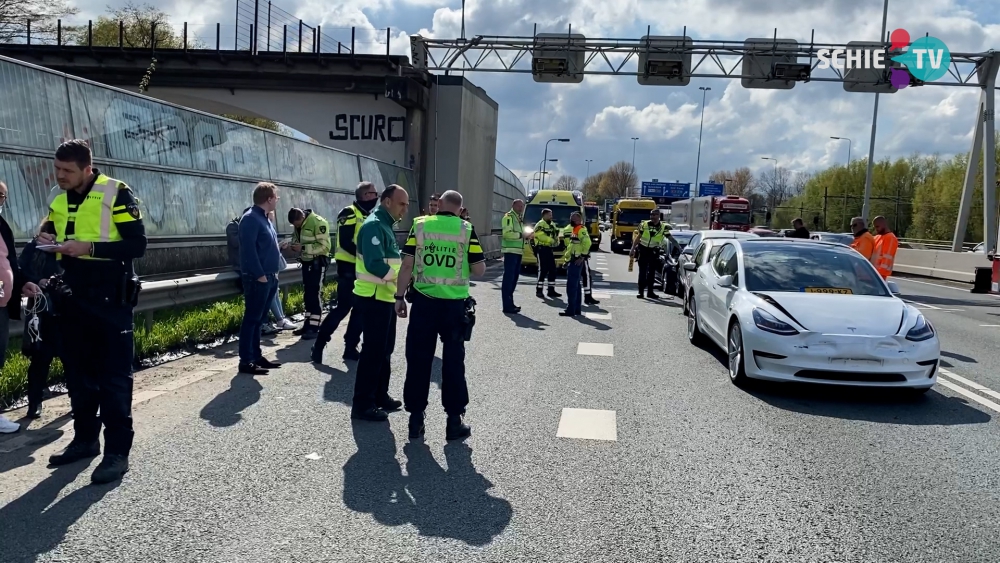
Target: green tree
[(133, 25)]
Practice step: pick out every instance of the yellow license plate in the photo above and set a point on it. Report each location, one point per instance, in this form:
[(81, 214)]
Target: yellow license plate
[(837, 290)]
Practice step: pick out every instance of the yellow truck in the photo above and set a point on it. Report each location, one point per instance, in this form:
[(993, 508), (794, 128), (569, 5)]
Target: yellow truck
[(592, 219), (625, 218), (562, 203)]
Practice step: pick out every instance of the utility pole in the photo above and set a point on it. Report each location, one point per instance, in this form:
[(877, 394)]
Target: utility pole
[(866, 208), (701, 129)]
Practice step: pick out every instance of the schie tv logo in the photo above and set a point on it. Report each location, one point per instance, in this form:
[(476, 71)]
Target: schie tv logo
[(927, 59)]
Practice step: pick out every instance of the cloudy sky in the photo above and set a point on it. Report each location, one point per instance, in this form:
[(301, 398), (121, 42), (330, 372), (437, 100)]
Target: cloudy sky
[(602, 114)]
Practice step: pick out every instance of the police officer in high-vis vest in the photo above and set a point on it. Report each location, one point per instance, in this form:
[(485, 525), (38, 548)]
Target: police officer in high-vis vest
[(348, 224), (376, 269), (440, 254), (649, 239), (312, 239), (512, 246), (98, 228), (546, 239)]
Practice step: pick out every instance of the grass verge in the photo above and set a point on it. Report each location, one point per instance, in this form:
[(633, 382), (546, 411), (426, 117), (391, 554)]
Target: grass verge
[(172, 331)]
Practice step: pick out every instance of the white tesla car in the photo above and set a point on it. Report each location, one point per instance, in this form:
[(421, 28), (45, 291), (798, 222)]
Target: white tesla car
[(810, 311)]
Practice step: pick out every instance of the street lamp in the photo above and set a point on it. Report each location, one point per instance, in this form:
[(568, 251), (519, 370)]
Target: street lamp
[(697, 169), (547, 156), (849, 143), (589, 160), (634, 139)]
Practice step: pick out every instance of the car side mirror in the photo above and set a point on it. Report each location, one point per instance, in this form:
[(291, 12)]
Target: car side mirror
[(726, 281), (690, 267), (893, 288), (688, 251)]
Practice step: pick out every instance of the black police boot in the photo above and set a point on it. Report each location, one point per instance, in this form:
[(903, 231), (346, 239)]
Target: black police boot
[(456, 429), (352, 354), (111, 468), (388, 404), (652, 295), (373, 414), (552, 292), (309, 332), (538, 292), (75, 452), (589, 300), (35, 410), (317, 354), (416, 425)]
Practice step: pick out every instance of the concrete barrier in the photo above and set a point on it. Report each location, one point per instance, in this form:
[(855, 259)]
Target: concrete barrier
[(940, 264)]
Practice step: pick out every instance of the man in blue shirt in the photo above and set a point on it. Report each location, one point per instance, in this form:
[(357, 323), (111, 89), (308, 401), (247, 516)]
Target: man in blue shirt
[(259, 264)]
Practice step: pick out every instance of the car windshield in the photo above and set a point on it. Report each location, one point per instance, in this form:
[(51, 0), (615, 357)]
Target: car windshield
[(632, 217), (731, 218), (809, 268), (682, 238), (592, 214), (560, 214)]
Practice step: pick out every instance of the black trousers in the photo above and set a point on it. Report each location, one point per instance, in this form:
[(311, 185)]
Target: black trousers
[(647, 269), (41, 359), (345, 302), (313, 273), (546, 266), (96, 350), (371, 381), (586, 278), (430, 318)]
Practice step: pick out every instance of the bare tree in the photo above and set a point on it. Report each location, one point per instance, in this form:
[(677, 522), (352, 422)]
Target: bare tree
[(798, 183), (776, 185), (592, 187), (138, 23), (568, 183), (15, 15), (619, 181), (739, 182)]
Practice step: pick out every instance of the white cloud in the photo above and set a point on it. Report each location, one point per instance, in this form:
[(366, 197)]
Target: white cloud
[(604, 112)]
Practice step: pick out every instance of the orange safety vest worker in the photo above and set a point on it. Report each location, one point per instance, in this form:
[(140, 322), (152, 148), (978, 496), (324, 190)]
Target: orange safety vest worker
[(885, 253), (864, 244)]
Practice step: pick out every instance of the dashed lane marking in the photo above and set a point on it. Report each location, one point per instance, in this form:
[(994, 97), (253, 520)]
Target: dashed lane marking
[(991, 325), (608, 296), (968, 383), (602, 284), (969, 394), (595, 349), (598, 316), (588, 424)]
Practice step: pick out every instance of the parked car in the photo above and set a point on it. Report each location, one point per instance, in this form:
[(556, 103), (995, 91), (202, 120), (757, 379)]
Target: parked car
[(809, 311), (702, 247)]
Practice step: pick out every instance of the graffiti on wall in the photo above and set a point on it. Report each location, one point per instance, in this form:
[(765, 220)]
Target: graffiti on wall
[(360, 127)]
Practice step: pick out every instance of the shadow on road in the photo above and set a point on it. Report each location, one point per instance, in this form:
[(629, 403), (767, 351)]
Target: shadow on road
[(226, 408), (447, 503), (31, 527), (33, 440), (890, 406), (526, 322)]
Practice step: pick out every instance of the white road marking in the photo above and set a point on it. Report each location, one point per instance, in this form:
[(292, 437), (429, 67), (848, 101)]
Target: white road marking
[(598, 316), (600, 269), (601, 295), (588, 424), (595, 349), (602, 284), (991, 325), (908, 280), (919, 305), (969, 383), (969, 394), (314, 456)]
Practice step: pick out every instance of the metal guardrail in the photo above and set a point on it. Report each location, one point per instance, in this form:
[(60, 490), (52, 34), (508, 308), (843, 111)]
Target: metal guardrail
[(180, 292)]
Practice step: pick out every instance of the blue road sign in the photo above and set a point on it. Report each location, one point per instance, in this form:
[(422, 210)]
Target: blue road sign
[(710, 188), (666, 189)]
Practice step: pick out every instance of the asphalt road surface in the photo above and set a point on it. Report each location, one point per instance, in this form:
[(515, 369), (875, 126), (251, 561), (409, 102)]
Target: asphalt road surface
[(608, 438)]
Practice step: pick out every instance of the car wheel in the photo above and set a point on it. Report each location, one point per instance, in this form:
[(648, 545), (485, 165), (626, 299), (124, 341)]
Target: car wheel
[(737, 368), (694, 331)]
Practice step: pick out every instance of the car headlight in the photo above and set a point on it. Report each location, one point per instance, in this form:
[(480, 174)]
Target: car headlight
[(768, 323), (921, 331)]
